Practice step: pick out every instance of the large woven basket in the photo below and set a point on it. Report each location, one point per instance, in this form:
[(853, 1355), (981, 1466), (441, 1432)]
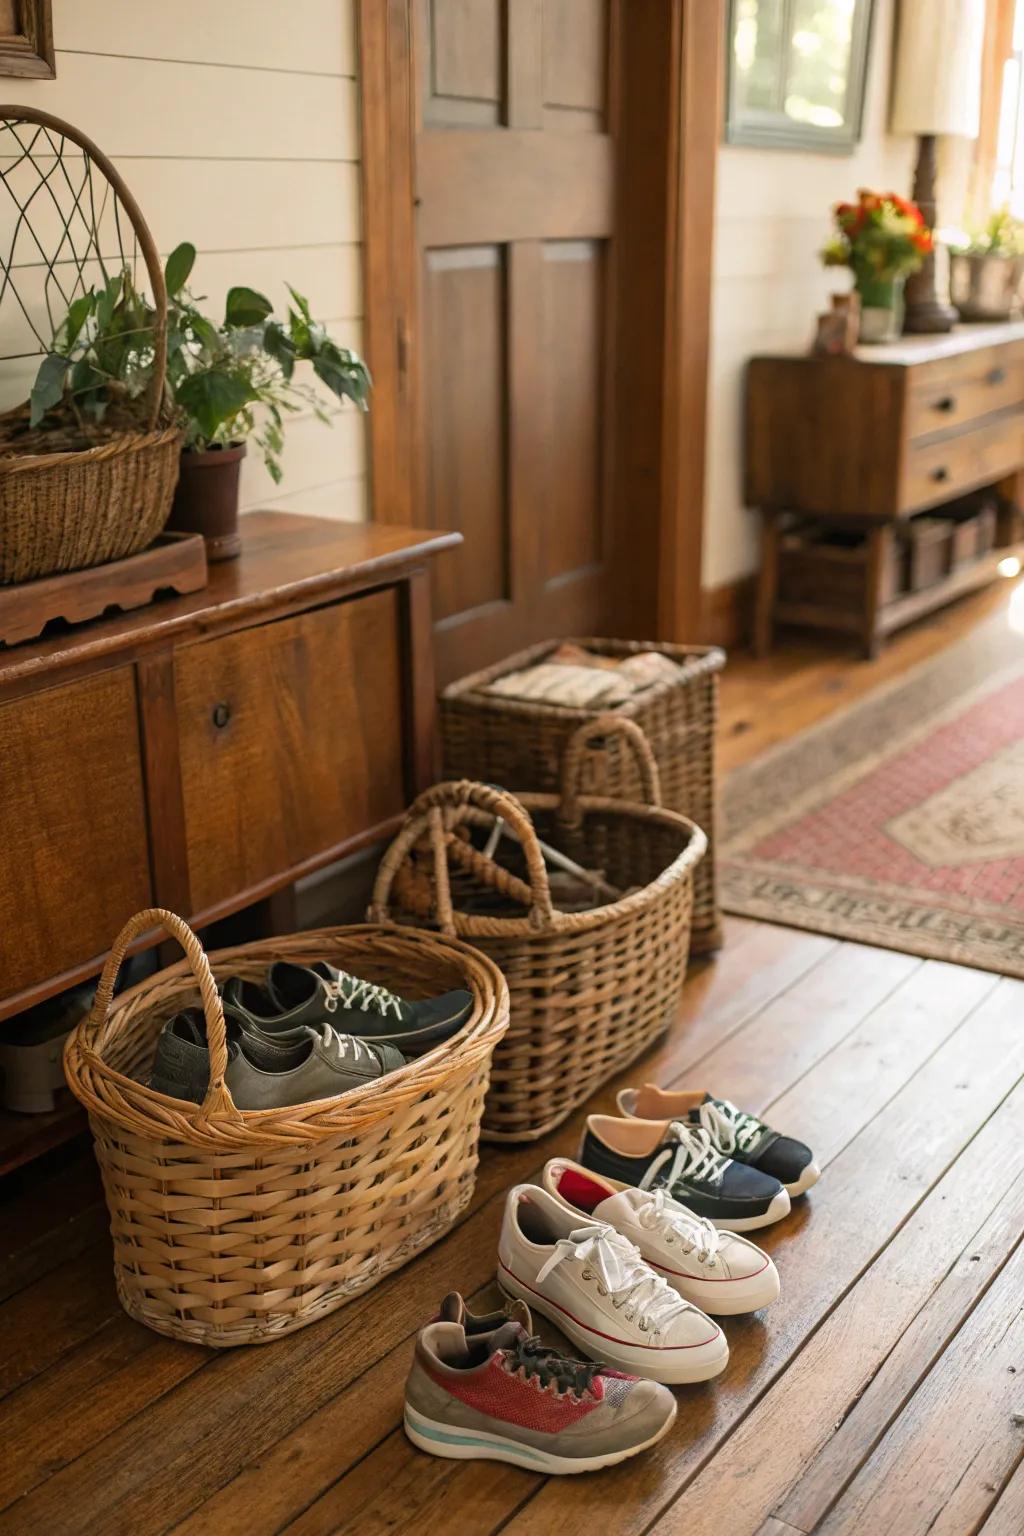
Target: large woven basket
[(235, 1227), (520, 743), (108, 497), (590, 990)]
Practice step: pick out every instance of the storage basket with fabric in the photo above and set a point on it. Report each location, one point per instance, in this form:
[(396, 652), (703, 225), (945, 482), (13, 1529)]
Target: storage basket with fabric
[(234, 1227), (519, 743), (101, 492), (590, 990)]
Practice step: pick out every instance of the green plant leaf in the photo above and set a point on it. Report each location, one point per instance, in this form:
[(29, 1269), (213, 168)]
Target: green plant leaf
[(179, 267), (214, 398), (278, 344), (78, 313), (48, 389), (107, 301), (246, 307)]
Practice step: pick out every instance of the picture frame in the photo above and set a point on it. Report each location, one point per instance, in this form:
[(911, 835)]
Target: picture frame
[(26, 39), (774, 51)]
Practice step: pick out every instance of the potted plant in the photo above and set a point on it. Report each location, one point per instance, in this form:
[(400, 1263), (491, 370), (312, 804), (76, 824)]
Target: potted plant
[(225, 384), (882, 238), (987, 269)]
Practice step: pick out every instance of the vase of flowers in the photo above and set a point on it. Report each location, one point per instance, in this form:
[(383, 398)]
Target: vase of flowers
[(882, 238)]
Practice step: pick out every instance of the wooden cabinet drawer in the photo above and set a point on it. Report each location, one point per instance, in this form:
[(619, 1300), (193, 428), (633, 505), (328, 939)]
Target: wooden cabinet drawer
[(291, 741), (937, 471), (953, 391), (74, 859)]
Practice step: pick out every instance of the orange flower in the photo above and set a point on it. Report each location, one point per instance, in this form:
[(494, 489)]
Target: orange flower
[(908, 209), (922, 240)]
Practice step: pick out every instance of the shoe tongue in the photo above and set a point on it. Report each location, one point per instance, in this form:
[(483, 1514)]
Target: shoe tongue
[(624, 1204), (506, 1336)]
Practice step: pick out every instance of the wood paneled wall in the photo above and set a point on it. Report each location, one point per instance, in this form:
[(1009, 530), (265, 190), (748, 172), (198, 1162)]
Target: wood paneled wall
[(236, 126)]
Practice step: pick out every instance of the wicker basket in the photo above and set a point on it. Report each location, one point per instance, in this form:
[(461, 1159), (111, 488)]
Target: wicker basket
[(62, 511), (235, 1228), (520, 743), (590, 990)]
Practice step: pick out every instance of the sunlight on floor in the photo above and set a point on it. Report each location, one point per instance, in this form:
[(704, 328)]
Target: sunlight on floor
[(1015, 612)]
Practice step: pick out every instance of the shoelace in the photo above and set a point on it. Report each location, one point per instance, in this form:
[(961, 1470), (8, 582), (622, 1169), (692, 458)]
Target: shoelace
[(693, 1233), (621, 1273), (532, 1357), (343, 1045), (353, 992), (693, 1156), (728, 1126)]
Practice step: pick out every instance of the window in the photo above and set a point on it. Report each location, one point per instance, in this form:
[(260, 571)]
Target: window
[(1008, 174), (796, 73)]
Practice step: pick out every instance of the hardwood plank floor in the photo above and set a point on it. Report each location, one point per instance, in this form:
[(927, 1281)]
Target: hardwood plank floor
[(880, 1394)]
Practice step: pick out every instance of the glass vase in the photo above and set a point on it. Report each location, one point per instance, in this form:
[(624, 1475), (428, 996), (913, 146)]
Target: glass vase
[(881, 308)]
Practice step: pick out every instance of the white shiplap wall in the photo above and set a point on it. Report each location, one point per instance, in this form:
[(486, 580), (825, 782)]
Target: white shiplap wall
[(773, 211), (235, 123)]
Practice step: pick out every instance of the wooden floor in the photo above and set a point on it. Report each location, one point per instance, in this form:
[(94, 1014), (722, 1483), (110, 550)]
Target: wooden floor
[(882, 1394)]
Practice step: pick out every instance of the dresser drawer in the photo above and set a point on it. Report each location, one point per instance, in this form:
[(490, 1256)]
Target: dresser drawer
[(291, 741), (953, 391), (934, 472), (74, 860)]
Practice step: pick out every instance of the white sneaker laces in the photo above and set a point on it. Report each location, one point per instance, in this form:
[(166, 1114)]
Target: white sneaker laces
[(621, 1273), (693, 1233), (353, 992), (728, 1126), (343, 1045), (693, 1156)]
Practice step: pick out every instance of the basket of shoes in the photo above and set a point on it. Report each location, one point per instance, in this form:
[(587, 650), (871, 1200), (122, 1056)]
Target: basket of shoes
[(594, 949), (510, 724), (317, 1160), (89, 464)]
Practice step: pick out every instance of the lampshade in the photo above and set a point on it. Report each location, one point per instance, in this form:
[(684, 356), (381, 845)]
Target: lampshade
[(938, 67)]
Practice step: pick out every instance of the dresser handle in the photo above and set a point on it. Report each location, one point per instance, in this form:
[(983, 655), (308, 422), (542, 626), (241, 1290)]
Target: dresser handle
[(947, 403), (221, 715), (995, 376), (940, 473)]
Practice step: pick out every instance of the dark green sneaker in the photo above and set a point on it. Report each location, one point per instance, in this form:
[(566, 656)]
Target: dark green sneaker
[(293, 995), (263, 1073)]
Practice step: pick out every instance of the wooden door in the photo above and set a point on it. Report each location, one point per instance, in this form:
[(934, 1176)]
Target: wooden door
[(521, 173)]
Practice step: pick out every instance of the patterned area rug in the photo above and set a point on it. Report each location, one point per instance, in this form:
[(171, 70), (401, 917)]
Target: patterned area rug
[(901, 822)]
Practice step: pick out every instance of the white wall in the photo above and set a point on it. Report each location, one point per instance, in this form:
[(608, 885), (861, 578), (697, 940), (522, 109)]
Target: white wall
[(236, 126), (772, 218)]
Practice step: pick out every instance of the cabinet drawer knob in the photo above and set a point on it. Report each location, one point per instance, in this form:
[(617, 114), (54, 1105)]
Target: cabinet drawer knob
[(996, 375), (940, 473), (947, 403), (221, 715)]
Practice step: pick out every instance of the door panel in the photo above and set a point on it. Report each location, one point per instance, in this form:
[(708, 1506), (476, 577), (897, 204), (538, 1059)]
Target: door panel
[(465, 328), (573, 334), (513, 224)]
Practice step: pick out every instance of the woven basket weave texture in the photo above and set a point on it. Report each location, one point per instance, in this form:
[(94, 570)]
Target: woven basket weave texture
[(235, 1227)]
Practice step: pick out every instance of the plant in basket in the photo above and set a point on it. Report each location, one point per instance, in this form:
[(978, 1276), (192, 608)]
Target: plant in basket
[(882, 238), (225, 383)]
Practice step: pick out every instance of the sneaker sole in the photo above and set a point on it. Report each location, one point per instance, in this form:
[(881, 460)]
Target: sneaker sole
[(775, 1212), (702, 1362), (810, 1175), (475, 1445)]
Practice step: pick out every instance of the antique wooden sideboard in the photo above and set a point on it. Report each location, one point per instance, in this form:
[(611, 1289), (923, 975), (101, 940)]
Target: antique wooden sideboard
[(864, 443), (205, 752)]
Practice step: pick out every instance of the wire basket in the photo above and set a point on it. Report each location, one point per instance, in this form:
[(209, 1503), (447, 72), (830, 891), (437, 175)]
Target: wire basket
[(104, 493)]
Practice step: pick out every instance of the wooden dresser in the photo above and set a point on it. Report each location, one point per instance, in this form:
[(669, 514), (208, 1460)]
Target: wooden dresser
[(205, 752), (863, 443)]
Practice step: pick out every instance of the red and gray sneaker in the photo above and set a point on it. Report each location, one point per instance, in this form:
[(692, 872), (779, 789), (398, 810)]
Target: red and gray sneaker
[(454, 1310), (505, 1396)]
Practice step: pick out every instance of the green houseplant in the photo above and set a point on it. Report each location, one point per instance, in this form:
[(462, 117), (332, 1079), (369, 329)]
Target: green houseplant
[(882, 238), (986, 269), (225, 384)]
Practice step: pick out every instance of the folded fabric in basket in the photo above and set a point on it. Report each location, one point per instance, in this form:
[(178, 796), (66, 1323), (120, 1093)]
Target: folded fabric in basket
[(581, 680)]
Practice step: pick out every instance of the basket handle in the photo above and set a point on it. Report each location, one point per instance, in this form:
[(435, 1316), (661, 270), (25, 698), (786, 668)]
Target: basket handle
[(147, 245), (589, 734), (433, 815), (95, 1031)]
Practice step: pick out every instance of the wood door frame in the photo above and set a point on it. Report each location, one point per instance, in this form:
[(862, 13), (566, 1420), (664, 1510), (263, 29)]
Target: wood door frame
[(666, 598)]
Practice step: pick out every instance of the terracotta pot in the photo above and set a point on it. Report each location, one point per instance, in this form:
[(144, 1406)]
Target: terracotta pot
[(206, 500)]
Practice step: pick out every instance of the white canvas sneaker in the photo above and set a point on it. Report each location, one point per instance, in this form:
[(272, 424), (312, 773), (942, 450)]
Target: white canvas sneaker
[(593, 1284), (720, 1272)]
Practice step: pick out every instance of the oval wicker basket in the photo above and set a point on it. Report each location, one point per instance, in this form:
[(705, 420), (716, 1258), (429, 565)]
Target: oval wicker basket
[(235, 1227), (590, 990), (521, 742), (62, 511)]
